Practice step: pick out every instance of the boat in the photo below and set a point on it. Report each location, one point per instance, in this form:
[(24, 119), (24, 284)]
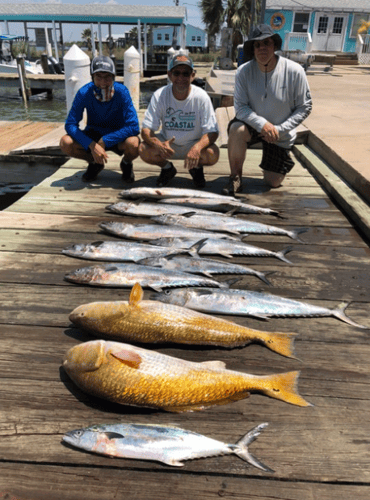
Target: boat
[(8, 63)]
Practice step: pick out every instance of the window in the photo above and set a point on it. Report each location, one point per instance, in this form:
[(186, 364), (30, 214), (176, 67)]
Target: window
[(159, 36), (198, 38), (357, 21), (301, 20), (323, 24), (193, 38), (338, 25), (166, 36)]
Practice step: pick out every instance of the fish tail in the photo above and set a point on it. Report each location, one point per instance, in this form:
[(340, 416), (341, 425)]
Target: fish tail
[(262, 276), (281, 255), (241, 448), (283, 386), (280, 342), (294, 234), (340, 314)]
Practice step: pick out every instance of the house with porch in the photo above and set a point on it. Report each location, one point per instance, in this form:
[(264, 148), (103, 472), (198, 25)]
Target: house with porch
[(319, 26)]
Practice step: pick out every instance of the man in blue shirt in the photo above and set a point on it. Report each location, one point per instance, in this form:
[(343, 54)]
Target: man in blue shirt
[(112, 123)]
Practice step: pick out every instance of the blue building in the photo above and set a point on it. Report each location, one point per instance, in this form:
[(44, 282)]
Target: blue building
[(318, 25), (195, 38)]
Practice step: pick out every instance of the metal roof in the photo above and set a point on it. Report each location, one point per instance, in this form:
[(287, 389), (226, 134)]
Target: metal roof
[(92, 13), (320, 5)]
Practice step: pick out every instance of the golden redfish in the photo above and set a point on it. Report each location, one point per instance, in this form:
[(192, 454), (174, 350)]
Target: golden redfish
[(129, 375), (152, 321)]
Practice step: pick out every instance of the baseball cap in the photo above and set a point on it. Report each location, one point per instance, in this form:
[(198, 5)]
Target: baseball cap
[(103, 63), (180, 59), (260, 32)]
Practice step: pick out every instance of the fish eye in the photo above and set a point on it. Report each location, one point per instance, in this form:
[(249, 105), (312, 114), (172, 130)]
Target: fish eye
[(167, 292)]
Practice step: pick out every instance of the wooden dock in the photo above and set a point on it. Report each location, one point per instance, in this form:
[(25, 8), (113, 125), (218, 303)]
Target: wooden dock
[(320, 452)]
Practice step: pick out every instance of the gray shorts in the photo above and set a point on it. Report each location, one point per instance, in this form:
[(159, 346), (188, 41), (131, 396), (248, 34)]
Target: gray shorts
[(180, 151)]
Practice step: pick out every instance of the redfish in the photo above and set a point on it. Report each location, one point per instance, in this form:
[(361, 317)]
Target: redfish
[(151, 321), (130, 375)]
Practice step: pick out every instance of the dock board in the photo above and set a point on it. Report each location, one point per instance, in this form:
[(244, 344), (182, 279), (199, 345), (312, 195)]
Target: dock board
[(320, 452)]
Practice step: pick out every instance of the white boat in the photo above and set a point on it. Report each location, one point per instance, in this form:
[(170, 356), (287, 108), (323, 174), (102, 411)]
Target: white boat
[(7, 62)]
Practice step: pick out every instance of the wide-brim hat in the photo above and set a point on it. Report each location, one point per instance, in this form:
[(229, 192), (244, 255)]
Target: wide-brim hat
[(260, 32)]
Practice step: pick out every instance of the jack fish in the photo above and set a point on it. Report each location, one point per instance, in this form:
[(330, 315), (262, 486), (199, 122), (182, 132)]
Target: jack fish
[(154, 231), (248, 303), (163, 443), (217, 205), (126, 275), (150, 321), (130, 375), (225, 225), (224, 247), (151, 209), (168, 192), (118, 251)]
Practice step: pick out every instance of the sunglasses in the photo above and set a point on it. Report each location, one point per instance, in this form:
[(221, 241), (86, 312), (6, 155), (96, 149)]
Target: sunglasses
[(265, 43), (186, 74)]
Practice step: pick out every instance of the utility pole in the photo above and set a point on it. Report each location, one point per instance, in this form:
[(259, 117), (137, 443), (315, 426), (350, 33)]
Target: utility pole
[(263, 11)]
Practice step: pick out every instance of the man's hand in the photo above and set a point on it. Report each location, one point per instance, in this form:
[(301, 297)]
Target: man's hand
[(98, 152), (164, 148), (269, 133), (192, 158)]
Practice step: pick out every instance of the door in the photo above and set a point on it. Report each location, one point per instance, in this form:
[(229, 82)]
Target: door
[(329, 32)]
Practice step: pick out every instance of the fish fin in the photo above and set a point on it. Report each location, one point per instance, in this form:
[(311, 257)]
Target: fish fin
[(113, 435), (262, 276), (136, 295), (231, 212), (172, 461), (280, 342), (209, 275), (340, 314), (217, 365), (194, 249), (283, 386), (227, 255), (281, 255), (294, 234), (156, 288), (231, 281), (129, 358), (241, 448), (189, 214)]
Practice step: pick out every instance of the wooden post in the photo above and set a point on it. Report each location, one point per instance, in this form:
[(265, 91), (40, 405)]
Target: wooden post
[(25, 86), (45, 64)]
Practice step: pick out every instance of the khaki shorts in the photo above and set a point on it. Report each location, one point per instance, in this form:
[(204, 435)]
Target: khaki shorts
[(181, 151)]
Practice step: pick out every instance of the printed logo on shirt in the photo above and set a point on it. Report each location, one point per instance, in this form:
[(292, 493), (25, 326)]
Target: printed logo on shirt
[(178, 120)]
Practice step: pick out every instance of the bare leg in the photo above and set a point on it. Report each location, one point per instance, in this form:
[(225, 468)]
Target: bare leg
[(273, 179), (237, 147), (209, 156), (150, 155), (129, 148)]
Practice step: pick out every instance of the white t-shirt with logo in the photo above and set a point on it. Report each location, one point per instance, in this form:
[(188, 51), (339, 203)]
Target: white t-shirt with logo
[(187, 120)]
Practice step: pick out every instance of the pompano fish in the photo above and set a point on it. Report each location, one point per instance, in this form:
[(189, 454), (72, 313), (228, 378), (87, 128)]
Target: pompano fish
[(163, 443), (130, 375), (219, 205), (126, 275), (154, 231), (200, 265), (151, 209), (225, 225), (168, 192), (243, 302), (224, 247), (150, 321), (117, 251)]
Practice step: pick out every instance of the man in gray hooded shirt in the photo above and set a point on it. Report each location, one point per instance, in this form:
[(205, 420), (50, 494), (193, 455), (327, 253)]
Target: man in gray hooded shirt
[(272, 97)]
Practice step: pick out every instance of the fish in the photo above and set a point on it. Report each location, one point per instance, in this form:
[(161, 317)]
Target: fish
[(150, 321), (225, 247), (126, 275), (130, 375), (200, 265), (118, 251), (226, 225), (249, 303), (168, 192), (155, 231), (219, 205), (142, 209), (168, 444)]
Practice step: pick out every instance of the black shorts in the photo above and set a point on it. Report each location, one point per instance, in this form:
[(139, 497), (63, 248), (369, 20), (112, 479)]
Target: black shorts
[(95, 136), (274, 158)]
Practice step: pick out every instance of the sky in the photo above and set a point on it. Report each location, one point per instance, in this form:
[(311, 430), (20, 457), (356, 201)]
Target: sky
[(72, 33)]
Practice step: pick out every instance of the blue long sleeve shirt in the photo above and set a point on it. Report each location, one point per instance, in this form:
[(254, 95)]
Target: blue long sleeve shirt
[(115, 120)]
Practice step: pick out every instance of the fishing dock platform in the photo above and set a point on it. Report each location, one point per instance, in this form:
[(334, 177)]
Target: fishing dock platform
[(319, 452)]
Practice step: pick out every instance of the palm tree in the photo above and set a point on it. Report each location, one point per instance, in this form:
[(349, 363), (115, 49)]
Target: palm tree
[(86, 35)]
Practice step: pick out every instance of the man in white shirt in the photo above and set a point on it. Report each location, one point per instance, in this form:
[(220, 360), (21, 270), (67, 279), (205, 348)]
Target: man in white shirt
[(187, 122), (271, 99)]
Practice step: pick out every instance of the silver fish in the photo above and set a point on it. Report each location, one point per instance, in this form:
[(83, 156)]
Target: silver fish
[(150, 209), (200, 265), (225, 225), (225, 247), (168, 192), (154, 231), (248, 303), (118, 251), (218, 205), (126, 275), (168, 444)]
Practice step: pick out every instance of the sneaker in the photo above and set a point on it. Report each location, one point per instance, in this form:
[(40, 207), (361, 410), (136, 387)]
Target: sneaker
[(198, 177), (127, 171), (92, 172), (234, 186), (166, 175)]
